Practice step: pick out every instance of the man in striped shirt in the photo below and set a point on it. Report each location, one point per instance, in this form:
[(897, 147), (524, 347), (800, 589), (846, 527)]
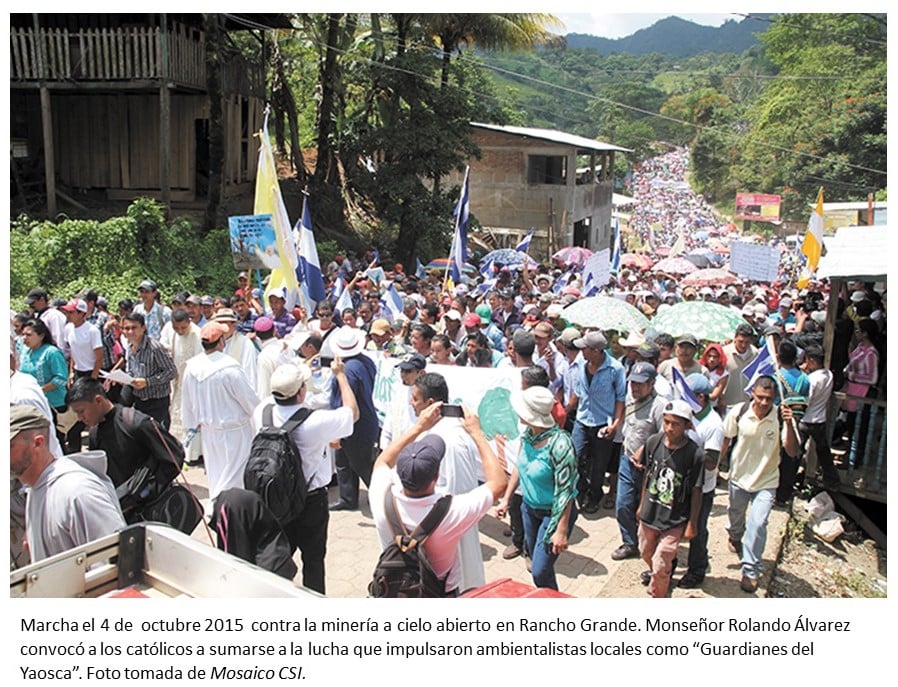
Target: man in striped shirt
[(152, 368)]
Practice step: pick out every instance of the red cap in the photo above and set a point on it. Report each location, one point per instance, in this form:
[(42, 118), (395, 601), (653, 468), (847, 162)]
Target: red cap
[(472, 319)]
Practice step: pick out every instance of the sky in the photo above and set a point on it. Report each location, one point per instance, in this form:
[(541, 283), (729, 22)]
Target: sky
[(620, 25)]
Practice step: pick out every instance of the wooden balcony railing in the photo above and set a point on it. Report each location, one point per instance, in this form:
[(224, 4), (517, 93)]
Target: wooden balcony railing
[(123, 54)]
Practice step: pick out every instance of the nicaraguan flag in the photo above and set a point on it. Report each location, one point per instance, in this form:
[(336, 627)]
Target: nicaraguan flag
[(524, 245), (683, 392), (392, 301), (308, 271), (419, 270), (458, 255), (344, 302), (763, 364)]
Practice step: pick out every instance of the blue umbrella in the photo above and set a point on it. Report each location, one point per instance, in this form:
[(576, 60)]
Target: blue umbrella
[(508, 257)]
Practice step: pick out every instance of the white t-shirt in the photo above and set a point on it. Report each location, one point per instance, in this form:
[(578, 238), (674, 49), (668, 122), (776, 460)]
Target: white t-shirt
[(708, 434), (818, 397), (442, 545), (312, 437), (82, 342)]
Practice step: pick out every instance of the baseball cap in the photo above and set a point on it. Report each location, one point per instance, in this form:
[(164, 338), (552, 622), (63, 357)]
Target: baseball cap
[(418, 464), (207, 300), (472, 319), (380, 326), (594, 340), (554, 310), (147, 285), (75, 305), (412, 361), (452, 314), (192, 300), (785, 303), (25, 417), (544, 329), (569, 335), (213, 331), (486, 314), (649, 349), (287, 380), (642, 372), (687, 339), (679, 409), (36, 295), (698, 383), (263, 324)]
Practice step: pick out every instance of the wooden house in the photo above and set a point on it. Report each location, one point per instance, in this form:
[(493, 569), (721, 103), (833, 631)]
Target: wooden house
[(120, 103)]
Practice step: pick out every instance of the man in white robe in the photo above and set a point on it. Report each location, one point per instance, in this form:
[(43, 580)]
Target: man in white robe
[(238, 345), (218, 398)]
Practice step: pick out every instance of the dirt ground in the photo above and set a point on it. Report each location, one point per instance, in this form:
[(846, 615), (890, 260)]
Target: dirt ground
[(850, 567)]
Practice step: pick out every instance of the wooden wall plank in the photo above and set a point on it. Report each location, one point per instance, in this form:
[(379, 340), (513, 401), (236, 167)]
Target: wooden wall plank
[(123, 125)]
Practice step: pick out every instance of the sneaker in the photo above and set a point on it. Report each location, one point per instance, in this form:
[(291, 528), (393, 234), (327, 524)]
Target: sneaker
[(511, 551), (691, 580), (589, 506), (609, 501), (624, 551), (749, 584), (645, 577), (735, 546)]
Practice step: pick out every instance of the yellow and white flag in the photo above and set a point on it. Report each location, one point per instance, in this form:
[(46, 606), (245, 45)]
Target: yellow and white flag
[(679, 246), (812, 246), (268, 201)]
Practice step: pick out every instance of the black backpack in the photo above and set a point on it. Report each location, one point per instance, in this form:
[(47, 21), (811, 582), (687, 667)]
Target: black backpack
[(403, 571), (274, 469)]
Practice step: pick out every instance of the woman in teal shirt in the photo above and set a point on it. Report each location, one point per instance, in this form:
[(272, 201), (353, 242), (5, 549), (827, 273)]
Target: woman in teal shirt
[(39, 357), (547, 472)]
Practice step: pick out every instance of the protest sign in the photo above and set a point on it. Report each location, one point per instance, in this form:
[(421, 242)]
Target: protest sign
[(760, 263), (253, 242)]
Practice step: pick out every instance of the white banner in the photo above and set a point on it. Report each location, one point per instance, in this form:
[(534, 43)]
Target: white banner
[(760, 263), (486, 391), (597, 269)]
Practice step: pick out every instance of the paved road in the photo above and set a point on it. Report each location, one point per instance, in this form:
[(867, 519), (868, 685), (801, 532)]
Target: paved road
[(585, 570)]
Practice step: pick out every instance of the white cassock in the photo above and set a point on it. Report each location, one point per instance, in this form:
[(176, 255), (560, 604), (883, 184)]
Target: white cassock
[(244, 352), (460, 471), (183, 348), (216, 396)]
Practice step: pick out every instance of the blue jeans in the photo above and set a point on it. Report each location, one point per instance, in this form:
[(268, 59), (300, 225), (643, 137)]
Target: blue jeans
[(629, 489), (542, 559), (698, 546), (752, 532)]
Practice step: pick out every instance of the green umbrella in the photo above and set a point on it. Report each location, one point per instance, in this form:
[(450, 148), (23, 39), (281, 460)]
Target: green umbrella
[(605, 312), (704, 320)]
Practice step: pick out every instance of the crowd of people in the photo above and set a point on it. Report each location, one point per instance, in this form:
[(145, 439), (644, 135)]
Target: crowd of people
[(607, 424)]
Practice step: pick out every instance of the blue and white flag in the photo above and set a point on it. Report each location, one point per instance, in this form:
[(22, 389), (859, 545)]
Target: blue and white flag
[(484, 288), (392, 301), (683, 392), (590, 289), (562, 281), (615, 253), (344, 302), (375, 256), (376, 274), (336, 289), (524, 245), (420, 272), (308, 270), (458, 255), (763, 364)]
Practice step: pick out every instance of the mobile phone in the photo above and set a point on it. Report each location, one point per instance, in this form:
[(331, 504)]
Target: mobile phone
[(326, 362), (448, 410)]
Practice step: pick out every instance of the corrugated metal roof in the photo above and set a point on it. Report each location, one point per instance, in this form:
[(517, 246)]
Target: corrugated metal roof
[(579, 142), (858, 252)]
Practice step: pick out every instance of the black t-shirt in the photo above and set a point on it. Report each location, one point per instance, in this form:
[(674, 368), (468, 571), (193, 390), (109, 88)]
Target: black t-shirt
[(672, 475)]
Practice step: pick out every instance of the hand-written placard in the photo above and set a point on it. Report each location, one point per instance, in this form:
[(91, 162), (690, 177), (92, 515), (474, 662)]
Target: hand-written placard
[(253, 242), (760, 263), (597, 269)]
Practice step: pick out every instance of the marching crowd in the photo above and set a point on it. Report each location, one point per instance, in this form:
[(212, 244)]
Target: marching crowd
[(642, 424)]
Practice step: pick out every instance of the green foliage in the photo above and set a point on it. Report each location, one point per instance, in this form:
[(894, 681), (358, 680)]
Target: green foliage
[(113, 256)]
